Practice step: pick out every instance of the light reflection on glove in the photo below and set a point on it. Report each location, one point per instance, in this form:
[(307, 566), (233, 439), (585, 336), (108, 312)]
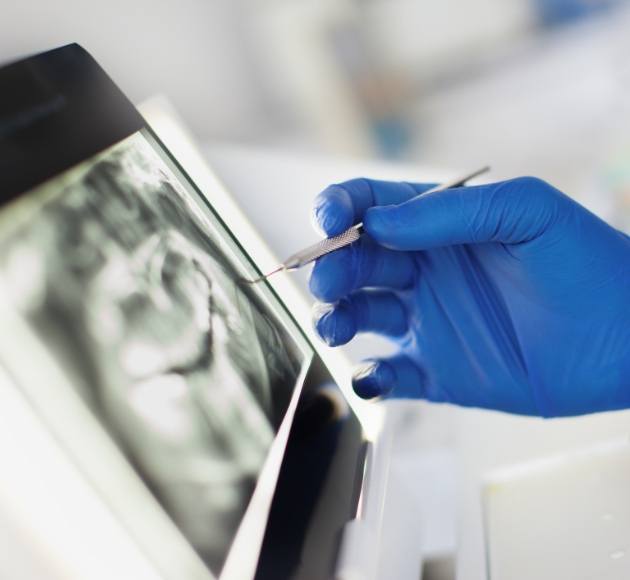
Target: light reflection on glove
[(507, 296)]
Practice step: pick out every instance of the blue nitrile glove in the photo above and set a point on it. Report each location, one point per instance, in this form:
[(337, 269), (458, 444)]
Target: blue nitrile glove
[(506, 296)]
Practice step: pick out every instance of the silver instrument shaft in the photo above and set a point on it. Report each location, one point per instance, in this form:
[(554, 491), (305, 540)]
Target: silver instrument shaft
[(352, 234)]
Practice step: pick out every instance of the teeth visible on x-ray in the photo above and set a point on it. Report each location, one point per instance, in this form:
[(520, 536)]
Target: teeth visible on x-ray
[(185, 367)]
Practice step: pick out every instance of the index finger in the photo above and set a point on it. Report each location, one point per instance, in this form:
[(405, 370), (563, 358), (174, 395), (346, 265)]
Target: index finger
[(343, 204)]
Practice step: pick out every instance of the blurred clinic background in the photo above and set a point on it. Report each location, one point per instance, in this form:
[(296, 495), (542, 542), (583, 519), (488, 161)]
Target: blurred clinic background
[(530, 86)]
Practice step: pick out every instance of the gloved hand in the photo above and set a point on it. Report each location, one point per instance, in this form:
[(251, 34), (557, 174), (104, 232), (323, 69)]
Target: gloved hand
[(507, 296)]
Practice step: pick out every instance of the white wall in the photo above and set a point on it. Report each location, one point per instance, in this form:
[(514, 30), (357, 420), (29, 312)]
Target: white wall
[(194, 51)]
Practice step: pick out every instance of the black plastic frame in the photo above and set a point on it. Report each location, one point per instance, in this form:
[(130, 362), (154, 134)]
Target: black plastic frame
[(57, 109)]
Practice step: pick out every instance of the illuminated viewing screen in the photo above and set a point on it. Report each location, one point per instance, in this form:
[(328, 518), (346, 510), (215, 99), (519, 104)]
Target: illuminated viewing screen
[(135, 287)]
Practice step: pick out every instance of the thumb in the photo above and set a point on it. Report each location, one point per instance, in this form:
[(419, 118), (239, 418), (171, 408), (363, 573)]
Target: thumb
[(509, 212)]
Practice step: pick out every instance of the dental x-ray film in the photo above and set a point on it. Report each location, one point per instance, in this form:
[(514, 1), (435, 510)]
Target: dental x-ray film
[(134, 286)]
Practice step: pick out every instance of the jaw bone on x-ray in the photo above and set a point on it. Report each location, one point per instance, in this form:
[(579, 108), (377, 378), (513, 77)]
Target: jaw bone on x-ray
[(117, 270)]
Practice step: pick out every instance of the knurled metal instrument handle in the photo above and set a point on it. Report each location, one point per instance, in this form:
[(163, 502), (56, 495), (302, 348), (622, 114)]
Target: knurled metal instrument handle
[(324, 247)]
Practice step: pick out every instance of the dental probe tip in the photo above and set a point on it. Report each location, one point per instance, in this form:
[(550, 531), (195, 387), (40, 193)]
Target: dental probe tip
[(256, 280)]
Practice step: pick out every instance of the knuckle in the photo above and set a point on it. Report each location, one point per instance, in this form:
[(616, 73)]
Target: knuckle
[(537, 193), (534, 205), (359, 186), (530, 182), (532, 187), (519, 187), (527, 192)]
